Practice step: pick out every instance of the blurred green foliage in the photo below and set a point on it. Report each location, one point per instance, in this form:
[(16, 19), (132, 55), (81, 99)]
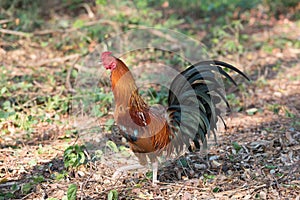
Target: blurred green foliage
[(32, 14), (74, 156)]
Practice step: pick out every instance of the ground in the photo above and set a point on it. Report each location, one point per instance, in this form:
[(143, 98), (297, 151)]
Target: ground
[(256, 157)]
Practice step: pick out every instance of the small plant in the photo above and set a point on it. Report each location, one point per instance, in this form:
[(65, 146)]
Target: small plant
[(38, 179), (74, 156), (289, 114), (112, 195), (236, 146), (227, 39), (72, 192), (8, 195), (216, 189), (26, 188), (112, 146), (60, 176), (275, 108), (157, 97), (109, 124), (208, 177), (234, 101), (270, 166), (149, 175), (231, 158)]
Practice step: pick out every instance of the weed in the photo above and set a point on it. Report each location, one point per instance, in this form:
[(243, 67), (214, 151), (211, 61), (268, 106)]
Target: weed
[(234, 101), (236, 146), (274, 108), (72, 192), (74, 156), (112, 195), (208, 177), (227, 39)]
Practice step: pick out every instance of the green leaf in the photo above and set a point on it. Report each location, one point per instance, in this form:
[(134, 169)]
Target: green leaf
[(101, 2), (125, 151), (6, 105), (14, 187), (78, 23), (71, 193), (3, 115), (251, 111), (38, 179), (289, 114), (112, 195), (216, 189), (60, 176), (109, 124), (149, 174), (74, 156), (236, 146), (32, 162), (3, 90), (110, 144), (8, 195), (44, 44), (64, 198), (182, 162), (82, 157), (96, 111), (98, 154), (270, 166), (207, 176), (40, 149), (74, 73), (26, 188)]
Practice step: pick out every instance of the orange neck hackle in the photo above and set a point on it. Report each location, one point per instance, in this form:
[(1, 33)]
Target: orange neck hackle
[(125, 89), (122, 81)]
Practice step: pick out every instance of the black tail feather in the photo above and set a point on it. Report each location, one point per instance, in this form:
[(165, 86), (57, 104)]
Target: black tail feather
[(192, 104)]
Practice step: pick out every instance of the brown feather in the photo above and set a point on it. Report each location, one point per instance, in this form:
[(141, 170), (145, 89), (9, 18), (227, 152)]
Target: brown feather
[(131, 109)]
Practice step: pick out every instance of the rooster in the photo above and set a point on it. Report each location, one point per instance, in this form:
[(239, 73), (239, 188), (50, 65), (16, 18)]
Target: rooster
[(190, 116)]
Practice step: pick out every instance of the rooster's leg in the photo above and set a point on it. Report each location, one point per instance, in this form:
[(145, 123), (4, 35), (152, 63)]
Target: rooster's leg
[(125, 169), (154, 172)]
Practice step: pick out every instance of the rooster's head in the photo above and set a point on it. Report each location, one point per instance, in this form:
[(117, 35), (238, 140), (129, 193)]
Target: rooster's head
[(108, 60)]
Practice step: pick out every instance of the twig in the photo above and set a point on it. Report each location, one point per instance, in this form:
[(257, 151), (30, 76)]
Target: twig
[(259, 187), (114, 187), (9, 150), (88, 178), (18, 33), (86, 24), (4, 21), (88, 10), (76, 140), (180, 188), (47, 31), (68, 82), (180, 185), (27, 195), (156, 32), (7, 184), (52, 60)]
